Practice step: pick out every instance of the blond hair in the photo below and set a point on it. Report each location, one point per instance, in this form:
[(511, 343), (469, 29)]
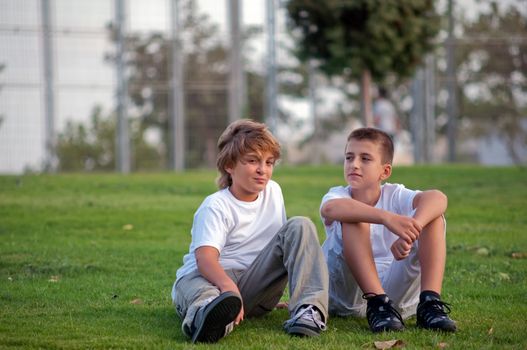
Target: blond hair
[(239, 138)]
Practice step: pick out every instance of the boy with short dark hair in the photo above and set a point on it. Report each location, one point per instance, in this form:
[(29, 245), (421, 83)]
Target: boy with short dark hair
[(385, 245), (244, 251)]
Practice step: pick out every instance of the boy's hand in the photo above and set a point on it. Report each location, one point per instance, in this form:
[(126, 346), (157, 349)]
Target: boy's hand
[(232, 287), (207, 259), (400, 249), (328, 222), (407, 228)]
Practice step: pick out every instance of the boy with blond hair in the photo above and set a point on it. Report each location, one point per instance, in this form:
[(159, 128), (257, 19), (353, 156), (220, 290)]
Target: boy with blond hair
[(385, 245), (243, 250)]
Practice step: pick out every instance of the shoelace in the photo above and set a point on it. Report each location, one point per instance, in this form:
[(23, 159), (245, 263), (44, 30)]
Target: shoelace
[(308, 314), (384, 310), (434, 308), (389, 310)]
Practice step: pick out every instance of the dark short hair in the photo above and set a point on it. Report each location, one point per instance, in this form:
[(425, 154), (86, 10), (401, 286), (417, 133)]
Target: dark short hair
[(239, 138), (376, 136)]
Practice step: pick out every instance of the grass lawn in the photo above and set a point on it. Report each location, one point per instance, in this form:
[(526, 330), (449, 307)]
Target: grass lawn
[(88, 261)]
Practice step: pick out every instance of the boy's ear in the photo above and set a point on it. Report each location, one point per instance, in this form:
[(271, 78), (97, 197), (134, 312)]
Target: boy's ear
[(387, 171), (229, 168)]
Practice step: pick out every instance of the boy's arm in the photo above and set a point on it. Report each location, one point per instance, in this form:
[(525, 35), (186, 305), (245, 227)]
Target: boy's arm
[(207, 259), (429, 205), (352, 211)]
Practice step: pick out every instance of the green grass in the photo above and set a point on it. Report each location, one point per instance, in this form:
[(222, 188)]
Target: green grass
[(70, 267)]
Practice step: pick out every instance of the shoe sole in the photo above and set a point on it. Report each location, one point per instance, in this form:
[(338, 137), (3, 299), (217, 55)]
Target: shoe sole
[(439, 329), (387, 329), (300, 331), (217, 314)]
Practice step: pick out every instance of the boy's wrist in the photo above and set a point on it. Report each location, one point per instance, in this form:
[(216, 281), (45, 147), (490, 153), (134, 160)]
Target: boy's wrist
[(385, 217)]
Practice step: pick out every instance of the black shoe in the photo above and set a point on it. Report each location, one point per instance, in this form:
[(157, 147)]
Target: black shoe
[(432, 313), (381, 314), (211, 320)]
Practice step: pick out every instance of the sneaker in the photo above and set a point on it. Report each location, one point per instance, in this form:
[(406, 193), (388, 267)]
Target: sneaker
[(306, 322), (432, 313), (212, 321), (381, 314)]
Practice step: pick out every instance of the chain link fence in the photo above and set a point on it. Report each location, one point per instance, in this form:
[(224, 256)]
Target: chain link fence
[(58, 74)]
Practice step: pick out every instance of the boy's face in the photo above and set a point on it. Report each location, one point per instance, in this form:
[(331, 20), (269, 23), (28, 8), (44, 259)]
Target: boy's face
[(250, 175), (363, 165)]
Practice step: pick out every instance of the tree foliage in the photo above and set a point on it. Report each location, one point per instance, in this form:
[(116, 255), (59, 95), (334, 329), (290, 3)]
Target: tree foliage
[(205, 82), (148, 63), (347, 37), (91, 147)]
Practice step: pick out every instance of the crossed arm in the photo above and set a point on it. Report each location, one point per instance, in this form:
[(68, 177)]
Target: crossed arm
[(428, 204)]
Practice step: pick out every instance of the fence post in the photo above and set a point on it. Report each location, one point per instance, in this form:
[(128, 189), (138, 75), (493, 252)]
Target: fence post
[(417, 115), (430, 101), (271, 66), (452, 85), (122, 153), (50, 160), (236, 84), (177, 106)]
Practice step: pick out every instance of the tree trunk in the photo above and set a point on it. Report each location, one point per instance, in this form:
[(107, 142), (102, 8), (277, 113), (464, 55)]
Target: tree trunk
[(366, 105)]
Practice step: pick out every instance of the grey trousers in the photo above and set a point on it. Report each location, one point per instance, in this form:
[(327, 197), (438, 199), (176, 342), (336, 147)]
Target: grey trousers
[(294, 255)]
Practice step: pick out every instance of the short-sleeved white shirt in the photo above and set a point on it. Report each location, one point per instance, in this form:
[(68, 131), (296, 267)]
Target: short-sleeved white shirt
[(394, 198), (238, 230)]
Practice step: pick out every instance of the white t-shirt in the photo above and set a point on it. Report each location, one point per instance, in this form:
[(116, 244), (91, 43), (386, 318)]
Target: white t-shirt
[(238, 230), (394, 198)]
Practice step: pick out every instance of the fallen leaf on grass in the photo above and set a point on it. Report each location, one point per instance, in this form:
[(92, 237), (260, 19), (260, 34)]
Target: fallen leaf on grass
[(136, 301), (54, 279), (389, 344), (482, 251), (490, 331), (282, 305), (442, 345), (519, 255), (504, 276), (128, 227)]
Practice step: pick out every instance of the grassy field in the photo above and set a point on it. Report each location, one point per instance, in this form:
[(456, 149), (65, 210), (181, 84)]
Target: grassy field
[(88, 261)]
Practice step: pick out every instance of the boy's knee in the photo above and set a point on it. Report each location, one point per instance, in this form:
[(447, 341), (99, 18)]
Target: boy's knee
[(301, 225), (299, 221), (436, 225)]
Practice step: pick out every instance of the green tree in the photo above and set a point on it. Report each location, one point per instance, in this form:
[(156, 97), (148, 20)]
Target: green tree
[(493, 76), (364, 39), (205, 84), (91, 147)]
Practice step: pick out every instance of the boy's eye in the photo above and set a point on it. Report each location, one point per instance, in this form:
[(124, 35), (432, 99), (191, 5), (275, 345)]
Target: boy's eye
[(270, 162)]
